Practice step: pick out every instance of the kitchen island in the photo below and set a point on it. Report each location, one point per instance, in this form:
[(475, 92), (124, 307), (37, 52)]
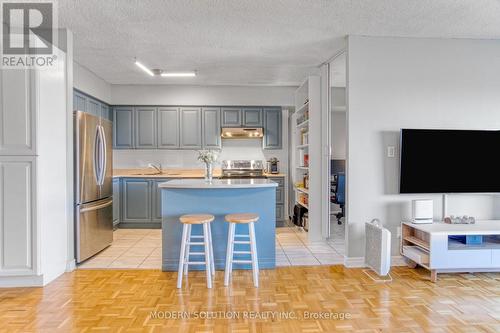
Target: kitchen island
[(218, 197)]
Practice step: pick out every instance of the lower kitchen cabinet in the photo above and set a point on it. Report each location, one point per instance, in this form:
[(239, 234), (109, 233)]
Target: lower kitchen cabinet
[(140, 203), (280, 200), (116, 201)]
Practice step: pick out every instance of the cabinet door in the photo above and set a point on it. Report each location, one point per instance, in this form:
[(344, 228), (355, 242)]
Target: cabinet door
[(231, 117), (116, 201), (145, 127), (272, 128), (79, 102), (123, 128), (17, 220), (136, 201), (252, 117), (93, 107), (168, 128), (17, 122), (105, 111), (211, 128), (156, 199), (190, 128)]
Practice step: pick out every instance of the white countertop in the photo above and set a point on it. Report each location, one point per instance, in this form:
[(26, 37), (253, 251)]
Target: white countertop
[(218, 183), (482, 227)]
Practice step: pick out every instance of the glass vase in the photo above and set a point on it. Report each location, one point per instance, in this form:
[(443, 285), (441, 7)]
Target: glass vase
[(208, 172)]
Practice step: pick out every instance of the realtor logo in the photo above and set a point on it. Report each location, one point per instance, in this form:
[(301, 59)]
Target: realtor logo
[(28, 34)]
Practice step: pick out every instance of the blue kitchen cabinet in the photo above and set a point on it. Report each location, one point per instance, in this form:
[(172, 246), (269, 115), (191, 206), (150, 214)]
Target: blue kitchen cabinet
[(79, 101), (168, 127), (93, 107), (116, 201), (145, 128), (140, 203), (231, 117), (252, 117), (105, 113), (156, 200), (190, 128), (272, 128), (211, 128), (280, 200), (136, 201), (123, 127)]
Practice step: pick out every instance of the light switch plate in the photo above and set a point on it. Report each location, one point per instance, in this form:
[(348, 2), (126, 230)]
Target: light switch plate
[(391, 151)]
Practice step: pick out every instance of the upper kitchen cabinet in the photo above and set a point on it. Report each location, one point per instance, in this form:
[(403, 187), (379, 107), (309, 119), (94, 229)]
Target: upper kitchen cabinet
[(190, 128), (79, 101), (211, 128), (272, 128), (86, 103), (145, 128), (105, 113), (123, 127), (17, 120), (168, 127), (93, 107), (231, 117), (252, 117)]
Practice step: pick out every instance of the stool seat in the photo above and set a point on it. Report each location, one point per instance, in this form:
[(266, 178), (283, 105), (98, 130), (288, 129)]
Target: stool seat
[(197, 218), (242, 218)]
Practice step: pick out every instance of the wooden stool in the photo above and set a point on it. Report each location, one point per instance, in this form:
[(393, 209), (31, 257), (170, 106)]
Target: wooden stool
[(233, 219), (188, 221)]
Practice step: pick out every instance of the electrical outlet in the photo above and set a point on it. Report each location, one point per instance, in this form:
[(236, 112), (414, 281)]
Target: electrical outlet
[(391, 151), (399, 232)]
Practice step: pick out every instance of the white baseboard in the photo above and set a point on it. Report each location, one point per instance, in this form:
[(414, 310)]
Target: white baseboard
[(357, 262), (71, 265), (21, 281)]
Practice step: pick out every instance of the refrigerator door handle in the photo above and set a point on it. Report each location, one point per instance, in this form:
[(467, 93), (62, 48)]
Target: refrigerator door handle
[(97, 156), (104, 154), (91, 208)]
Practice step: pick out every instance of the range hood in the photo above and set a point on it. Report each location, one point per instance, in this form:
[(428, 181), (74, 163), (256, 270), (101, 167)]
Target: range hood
[(242, 132)]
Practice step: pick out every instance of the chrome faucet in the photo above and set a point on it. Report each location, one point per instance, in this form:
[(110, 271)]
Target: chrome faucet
[(157, 167)]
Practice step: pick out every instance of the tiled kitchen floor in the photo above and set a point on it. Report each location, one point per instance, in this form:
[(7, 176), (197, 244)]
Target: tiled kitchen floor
[(141, 248)]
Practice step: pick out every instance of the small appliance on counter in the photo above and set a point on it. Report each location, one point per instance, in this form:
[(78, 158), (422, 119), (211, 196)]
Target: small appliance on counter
[(272, 165), (422, 211)]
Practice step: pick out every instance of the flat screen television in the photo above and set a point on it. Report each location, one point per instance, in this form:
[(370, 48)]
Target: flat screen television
[(449, 161)]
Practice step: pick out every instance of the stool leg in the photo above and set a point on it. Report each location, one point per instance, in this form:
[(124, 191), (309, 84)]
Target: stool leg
[(253, 252), (182, 255), (188, 250), (229, 254), (207, 254), (212, 259)]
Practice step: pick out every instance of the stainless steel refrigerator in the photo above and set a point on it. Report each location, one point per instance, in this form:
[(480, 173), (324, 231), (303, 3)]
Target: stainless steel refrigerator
[(93, 184)]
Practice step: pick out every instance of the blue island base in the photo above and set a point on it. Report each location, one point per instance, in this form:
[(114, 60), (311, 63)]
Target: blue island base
[(219, 202)]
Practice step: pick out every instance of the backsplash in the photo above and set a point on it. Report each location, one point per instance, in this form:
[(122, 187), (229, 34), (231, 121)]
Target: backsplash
[(233, 149)]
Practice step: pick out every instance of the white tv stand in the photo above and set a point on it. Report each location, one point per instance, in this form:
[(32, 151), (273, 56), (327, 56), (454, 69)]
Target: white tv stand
[(440, 254)]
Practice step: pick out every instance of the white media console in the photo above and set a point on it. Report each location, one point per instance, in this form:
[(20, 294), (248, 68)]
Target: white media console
[(430, 246)]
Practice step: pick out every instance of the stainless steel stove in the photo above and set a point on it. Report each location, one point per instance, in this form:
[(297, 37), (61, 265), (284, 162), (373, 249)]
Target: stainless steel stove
[(242, 169)]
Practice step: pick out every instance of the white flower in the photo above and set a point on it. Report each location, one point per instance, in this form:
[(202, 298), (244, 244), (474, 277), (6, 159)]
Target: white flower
[(208, 156)]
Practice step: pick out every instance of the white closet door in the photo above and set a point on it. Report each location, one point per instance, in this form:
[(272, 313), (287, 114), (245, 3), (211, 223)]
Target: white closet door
[(17, 117), (17, 219)]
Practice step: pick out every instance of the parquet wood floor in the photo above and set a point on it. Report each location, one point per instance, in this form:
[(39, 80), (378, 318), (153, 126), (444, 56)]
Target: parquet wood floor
[(123, 300)]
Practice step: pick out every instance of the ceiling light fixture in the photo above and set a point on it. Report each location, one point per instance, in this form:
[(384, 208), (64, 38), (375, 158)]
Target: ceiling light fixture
[(178, 74), (144, 68)]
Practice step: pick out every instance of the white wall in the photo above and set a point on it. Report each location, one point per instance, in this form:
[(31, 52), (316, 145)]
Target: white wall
[(201, 95), (413, 83), (86, 81)]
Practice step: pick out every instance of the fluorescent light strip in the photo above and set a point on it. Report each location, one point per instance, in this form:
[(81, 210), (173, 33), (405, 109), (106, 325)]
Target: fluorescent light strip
[(144, 68), (178, 74)]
